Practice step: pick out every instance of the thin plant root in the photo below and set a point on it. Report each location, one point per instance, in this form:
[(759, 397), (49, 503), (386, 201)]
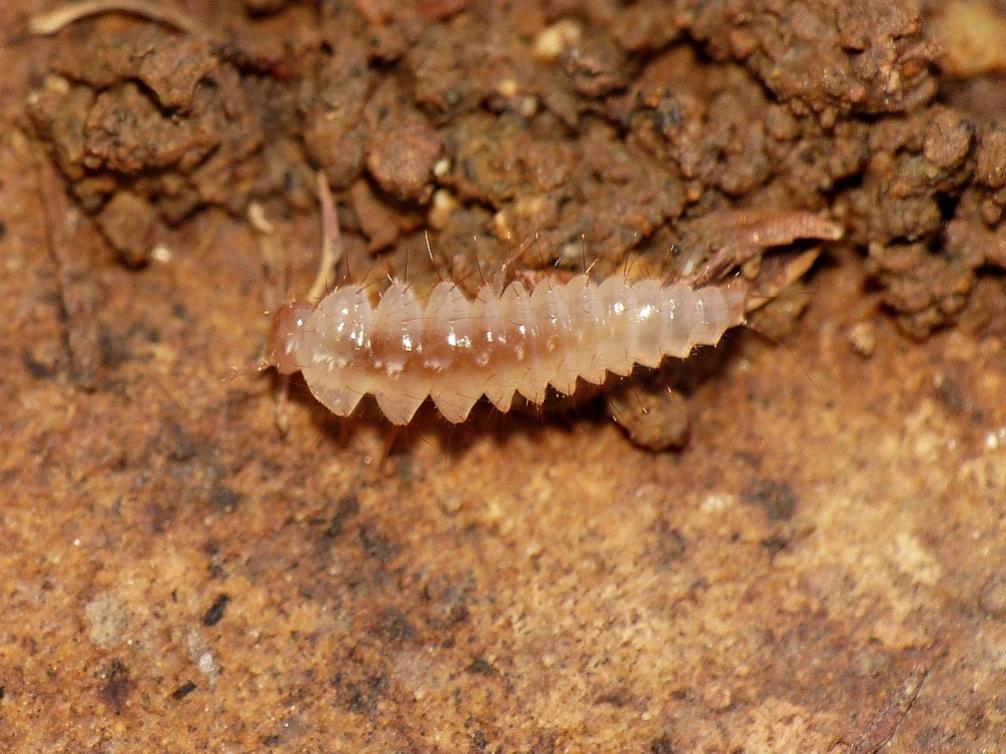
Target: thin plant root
[(47, 24), (882, 726), (331, 242), (76, 294)]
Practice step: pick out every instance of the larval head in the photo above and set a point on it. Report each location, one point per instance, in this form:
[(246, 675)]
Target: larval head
[(284, 335)]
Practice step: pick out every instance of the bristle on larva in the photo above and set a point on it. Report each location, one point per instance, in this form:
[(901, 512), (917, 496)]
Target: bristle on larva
[(455, 350)]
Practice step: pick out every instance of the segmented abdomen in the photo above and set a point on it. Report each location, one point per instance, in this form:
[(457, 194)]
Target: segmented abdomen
[(455, 350)]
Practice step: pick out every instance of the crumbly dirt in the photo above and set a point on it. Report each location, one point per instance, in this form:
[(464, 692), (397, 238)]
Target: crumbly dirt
[(817, 564)]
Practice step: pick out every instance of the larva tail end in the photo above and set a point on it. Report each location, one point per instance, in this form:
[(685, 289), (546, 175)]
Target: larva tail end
[(285, 331)]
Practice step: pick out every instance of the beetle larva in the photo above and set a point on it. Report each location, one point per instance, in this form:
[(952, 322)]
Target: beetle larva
[(455, 350)]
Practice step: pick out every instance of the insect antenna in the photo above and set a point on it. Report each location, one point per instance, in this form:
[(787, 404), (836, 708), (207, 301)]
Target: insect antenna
[(247, 372), (804, 372), (760, 300), (276, 271), (275, 290)]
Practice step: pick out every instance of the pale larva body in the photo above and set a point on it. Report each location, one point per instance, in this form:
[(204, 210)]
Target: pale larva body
[(455, 350)]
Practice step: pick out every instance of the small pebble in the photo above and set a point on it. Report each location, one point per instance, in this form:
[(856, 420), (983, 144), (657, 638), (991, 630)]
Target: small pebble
[(555, 39), (863, 338)]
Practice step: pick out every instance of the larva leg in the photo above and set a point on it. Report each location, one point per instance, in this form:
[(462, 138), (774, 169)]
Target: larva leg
[(281, 404), (389, 445)]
